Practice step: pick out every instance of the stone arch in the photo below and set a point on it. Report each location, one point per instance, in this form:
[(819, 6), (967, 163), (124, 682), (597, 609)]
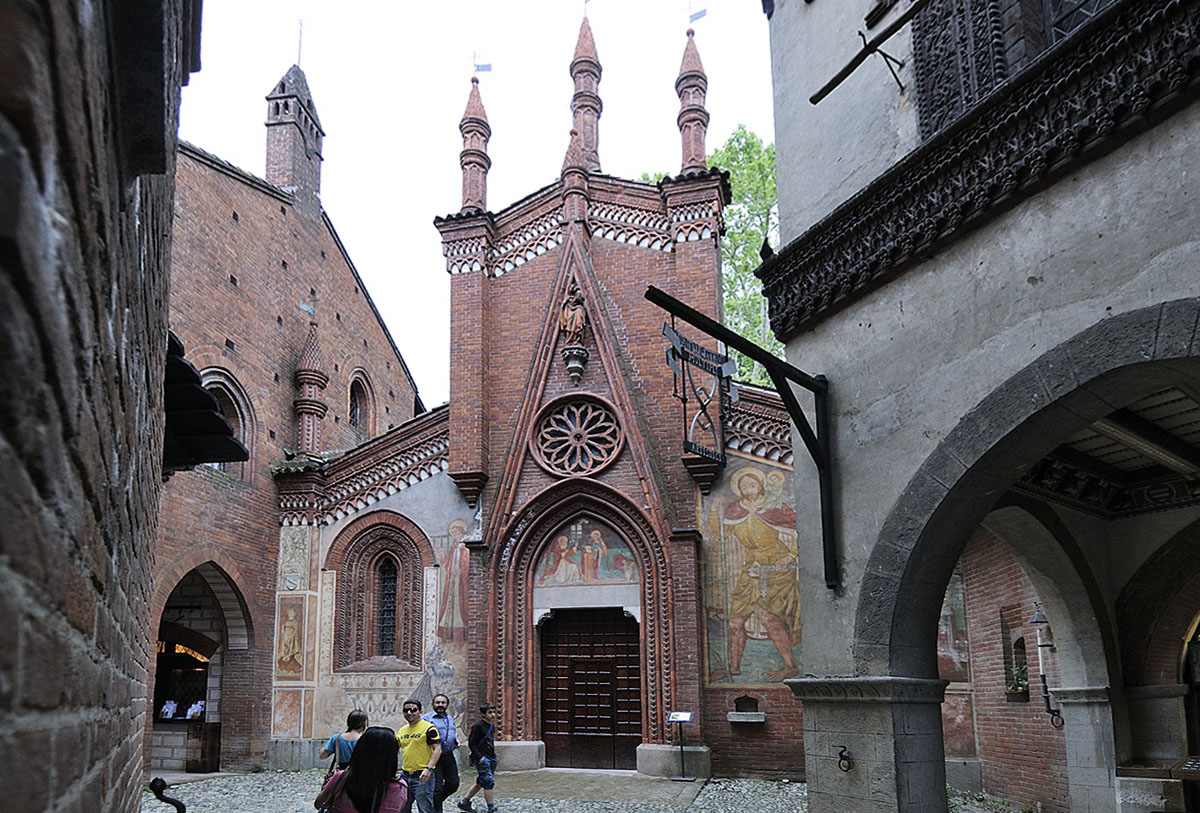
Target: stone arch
[(515, 665), (1063, 580), (1103, 368), (237, 408), (1109, 365), (225, 581), (1157, 611), (356, 552)]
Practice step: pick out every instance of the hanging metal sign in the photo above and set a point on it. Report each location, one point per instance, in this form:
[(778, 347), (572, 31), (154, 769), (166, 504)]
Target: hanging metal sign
[(702, 383)]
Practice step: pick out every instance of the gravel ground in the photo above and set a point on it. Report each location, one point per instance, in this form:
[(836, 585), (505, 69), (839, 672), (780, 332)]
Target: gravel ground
[(293, 792)]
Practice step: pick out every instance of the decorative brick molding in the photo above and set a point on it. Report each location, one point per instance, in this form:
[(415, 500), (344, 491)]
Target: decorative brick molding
[(758, 424), (1133, 61), (881, 689), (312, 493)]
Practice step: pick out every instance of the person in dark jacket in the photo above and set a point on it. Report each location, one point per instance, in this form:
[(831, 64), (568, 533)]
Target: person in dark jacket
[(483, 756)]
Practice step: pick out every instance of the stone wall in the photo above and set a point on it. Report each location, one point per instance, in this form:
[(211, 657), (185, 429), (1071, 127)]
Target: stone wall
[(85, 208)]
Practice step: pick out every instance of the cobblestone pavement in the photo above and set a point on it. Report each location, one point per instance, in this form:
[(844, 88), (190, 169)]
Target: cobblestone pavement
[(293, 792)]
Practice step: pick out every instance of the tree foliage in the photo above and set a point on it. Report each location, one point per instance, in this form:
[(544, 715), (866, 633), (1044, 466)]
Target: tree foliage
[(751, 217)]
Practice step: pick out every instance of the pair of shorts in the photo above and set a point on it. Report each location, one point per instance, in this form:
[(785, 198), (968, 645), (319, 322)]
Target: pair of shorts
[(485, 768)]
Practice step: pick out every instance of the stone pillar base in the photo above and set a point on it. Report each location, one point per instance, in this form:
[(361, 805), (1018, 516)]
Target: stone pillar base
[(663, 760), (873, 743), (1138, 795), (521, 755)]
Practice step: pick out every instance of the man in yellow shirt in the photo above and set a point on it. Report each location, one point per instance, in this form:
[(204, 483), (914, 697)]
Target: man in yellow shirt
[(422, 747)]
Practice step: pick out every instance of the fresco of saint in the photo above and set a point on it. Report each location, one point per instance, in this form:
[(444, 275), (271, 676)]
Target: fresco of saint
[(585, 553), (754, 532), (455, 561)]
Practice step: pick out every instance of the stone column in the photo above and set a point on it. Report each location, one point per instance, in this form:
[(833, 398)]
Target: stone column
[(891, 731), (1091, 750)]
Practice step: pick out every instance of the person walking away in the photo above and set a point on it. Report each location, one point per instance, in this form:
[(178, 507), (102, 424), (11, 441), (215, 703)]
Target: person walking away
[(343, 744), (445, 775), (369, 783), (421, 746), (482, 744)]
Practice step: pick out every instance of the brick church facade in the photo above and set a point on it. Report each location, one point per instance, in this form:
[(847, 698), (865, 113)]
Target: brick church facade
[(539, 542)]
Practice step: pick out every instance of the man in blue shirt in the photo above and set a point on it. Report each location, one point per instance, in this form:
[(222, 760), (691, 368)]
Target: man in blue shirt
[(446, 775)]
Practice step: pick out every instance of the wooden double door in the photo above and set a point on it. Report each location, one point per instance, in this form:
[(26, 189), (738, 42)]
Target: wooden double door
[(591, 689)]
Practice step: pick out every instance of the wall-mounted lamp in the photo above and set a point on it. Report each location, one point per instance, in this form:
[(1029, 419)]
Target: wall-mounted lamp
[(1042, 624)]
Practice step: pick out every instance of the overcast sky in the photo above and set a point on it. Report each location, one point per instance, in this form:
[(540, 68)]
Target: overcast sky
[(390, 82)]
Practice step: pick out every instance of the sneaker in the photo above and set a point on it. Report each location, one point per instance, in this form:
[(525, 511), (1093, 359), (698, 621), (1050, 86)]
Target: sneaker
[(465, 804)]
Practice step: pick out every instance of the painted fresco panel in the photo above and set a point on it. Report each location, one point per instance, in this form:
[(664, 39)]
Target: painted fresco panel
[(454, 559), (289, 639), (954, 661), (285, 721), (958, 725), (586, 552), (751, 585)]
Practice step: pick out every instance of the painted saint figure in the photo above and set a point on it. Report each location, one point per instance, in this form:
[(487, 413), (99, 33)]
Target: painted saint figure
[(289, 643), (452, 616), (767, 586), (560, 567)]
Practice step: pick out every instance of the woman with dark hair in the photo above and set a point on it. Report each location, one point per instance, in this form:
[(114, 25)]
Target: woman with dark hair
[(369, 784), (343, 744)]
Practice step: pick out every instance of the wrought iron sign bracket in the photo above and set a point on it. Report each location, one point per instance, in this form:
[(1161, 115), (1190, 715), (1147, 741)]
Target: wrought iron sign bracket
[(783, 375)]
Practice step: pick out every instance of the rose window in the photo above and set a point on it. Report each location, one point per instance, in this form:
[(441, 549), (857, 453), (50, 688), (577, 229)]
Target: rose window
[(581, 436)]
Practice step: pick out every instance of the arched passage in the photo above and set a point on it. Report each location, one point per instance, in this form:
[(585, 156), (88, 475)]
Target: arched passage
[(1090, 376), (516, 659), (203, 642)]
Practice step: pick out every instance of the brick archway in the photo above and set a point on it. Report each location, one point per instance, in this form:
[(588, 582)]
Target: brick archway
[(514, 666), (1157, 611)]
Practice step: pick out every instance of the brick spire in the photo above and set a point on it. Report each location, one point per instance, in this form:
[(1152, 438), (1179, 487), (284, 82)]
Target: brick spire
[(310, 383), (691, 86), (575, 180), (474, 158), (585, 103)]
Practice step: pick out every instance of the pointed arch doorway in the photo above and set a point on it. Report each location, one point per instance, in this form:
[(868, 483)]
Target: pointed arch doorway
[(591, 688)]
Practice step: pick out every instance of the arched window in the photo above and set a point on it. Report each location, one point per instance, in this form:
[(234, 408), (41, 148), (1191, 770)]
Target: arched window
[(380, 595), (361, 409), (235, 408), (386, 585)]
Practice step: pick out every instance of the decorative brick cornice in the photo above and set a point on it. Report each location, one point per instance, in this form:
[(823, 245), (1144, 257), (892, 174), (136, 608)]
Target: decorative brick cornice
[(1085, 96), (882, 689), (758, 424), (385, 465)]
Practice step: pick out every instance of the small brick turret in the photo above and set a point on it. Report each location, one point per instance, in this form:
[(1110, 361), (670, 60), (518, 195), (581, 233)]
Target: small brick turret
[(585, 103), (294, 138), (474, 158), (311, 381), (691, 87)]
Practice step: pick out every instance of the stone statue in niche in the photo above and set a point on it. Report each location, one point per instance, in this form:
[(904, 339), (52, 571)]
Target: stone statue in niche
[(571, 324)]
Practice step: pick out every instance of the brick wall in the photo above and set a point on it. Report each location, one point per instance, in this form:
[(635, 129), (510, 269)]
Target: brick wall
[(1022, 758), (85, 206), (773, 749), (244, 259)]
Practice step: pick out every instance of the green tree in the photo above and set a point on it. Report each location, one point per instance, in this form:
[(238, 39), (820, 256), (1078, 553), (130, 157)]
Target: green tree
[(751, 217)]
